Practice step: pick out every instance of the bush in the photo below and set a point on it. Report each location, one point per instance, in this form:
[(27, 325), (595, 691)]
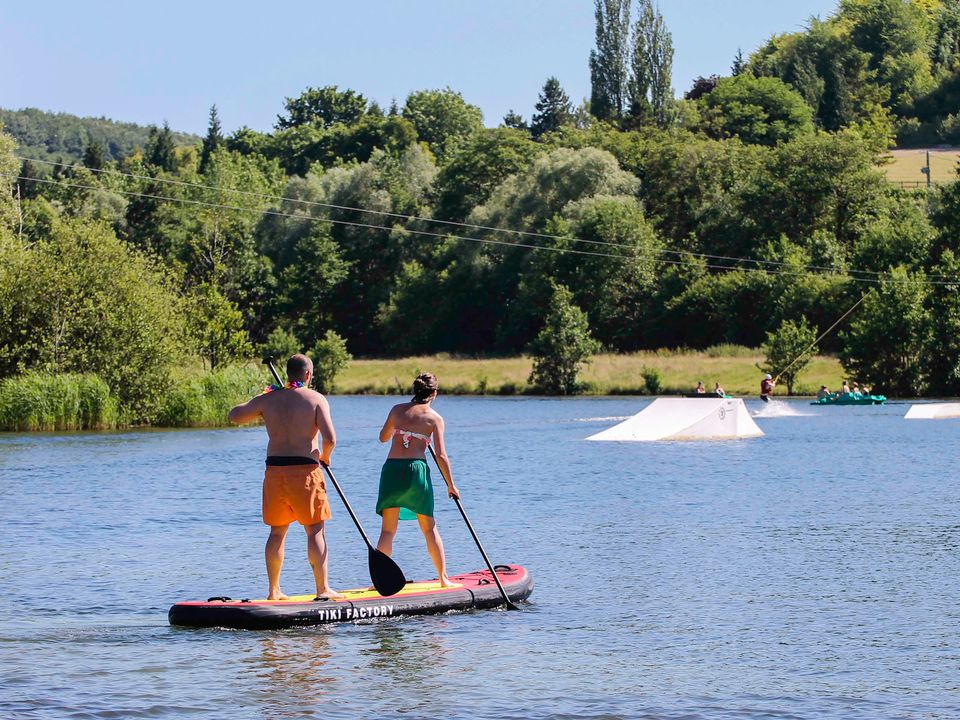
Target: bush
[(43, 401), (329, 357), (652, 381)]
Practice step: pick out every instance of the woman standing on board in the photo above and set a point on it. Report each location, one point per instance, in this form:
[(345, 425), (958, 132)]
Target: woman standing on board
[(406, 492)]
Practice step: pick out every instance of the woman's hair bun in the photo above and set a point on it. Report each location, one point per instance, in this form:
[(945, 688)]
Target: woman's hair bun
[(424, 386)]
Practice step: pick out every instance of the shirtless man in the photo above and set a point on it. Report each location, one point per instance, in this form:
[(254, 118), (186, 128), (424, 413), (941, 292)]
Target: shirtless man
[(294, 487)]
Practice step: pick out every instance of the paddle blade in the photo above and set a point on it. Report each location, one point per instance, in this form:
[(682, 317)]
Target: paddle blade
[(386, 575)]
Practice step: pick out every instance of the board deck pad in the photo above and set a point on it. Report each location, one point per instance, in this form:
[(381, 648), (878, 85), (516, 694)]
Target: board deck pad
[(478, 590)]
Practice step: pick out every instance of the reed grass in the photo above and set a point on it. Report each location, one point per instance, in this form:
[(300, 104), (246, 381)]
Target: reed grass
[(202, 399), (39, 401)]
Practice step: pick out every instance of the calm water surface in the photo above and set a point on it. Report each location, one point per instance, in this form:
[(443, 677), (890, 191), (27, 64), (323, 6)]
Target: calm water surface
[(810, 573)]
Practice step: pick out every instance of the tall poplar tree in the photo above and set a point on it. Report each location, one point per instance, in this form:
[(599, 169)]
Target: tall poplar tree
[(608, 62), (651, 67), (553, 109)]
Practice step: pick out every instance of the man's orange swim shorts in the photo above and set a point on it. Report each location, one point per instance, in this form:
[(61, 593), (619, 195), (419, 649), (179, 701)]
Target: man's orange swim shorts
[(295, 492)]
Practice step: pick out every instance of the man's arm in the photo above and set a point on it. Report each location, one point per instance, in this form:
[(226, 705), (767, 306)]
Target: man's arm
[(248, 412), (328, 435)]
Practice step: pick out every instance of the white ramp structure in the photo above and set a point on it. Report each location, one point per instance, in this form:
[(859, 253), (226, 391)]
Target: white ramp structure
[(933, 411), (686, 419)]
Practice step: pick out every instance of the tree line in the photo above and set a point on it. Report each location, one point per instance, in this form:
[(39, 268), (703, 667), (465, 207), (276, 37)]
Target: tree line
[(633, 221)]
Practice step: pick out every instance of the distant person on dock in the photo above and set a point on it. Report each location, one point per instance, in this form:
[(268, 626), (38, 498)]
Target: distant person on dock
[(294, 487), (406, 490), (822, 392), (766, 387), (700, 389), (719, 391)]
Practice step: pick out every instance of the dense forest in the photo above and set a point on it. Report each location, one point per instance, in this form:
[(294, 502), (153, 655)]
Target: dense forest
[(65, 138), (637, 219)]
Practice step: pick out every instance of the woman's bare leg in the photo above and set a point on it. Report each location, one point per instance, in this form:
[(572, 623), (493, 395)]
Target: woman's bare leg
[(435, 548), (388, 529)]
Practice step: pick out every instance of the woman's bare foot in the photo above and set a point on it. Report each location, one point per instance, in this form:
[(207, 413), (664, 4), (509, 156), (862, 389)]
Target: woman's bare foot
[(329, 595), (446, 582), (276, 595)]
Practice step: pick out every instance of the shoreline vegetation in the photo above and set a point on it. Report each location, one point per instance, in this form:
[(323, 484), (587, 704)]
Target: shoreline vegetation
[(201, 398)]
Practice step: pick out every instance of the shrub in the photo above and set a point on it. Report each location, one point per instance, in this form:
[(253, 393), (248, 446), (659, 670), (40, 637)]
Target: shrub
[(329, 357), (652, 381)]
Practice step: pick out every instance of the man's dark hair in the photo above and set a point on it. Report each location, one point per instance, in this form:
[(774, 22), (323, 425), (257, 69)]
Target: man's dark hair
[(297, 367)]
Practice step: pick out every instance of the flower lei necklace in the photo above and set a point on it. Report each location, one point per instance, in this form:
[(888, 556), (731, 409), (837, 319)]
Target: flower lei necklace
[(292, 385)]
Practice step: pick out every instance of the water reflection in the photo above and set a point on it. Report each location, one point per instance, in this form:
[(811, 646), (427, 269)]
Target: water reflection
[(296, 669), (410, 655)]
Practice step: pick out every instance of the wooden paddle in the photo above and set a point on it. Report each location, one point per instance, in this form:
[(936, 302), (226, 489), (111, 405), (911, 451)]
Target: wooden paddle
[(385, 574), (506, 598)]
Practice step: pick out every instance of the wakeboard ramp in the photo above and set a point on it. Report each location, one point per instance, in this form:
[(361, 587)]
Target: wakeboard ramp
[(685, 419)]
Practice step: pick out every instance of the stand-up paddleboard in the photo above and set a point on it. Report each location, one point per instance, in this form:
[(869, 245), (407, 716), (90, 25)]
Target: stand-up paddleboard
[(417, 598)]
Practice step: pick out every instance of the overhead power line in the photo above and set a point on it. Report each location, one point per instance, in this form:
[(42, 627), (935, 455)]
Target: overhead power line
[(487, 241), (280, 199)]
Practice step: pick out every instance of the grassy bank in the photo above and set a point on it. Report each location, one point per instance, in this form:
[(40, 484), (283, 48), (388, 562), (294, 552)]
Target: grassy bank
[(200, 398), (733, 367)]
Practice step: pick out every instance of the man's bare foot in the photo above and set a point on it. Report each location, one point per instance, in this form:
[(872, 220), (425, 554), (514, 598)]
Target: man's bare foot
[(329, 595), (276, 595), (446, 582)]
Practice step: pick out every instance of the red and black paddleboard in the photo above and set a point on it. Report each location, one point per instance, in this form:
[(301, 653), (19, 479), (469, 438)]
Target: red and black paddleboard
[(418, 598)]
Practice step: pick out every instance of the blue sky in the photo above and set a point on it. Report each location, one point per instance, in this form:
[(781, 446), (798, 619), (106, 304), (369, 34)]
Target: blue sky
[(126, 62)]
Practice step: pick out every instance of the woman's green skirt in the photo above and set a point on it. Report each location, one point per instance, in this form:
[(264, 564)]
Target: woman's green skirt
[(406, 484)]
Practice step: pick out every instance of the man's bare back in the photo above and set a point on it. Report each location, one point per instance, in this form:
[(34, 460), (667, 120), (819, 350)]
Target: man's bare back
[(294, 417)]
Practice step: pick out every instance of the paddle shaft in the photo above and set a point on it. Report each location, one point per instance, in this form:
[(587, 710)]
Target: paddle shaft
[(343, 497), (496, 578)]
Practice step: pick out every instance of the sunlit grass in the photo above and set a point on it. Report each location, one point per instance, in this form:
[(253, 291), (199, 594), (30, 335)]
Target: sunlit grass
[(734, 367), (48, 401)]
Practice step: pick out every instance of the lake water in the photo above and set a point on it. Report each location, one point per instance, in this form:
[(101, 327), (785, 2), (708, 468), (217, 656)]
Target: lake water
[(810, 573)]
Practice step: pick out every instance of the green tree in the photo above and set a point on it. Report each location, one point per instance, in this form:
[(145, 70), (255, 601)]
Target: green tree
[(515, 121), (213, 139), (443, 119), (483, 162), (160, 148), (608, 61), (80, 300), (562, 346), (651, 66), (280, 345), (886, 344), (322, 107), (942, 354), (308, 282), (216, 326), (330, 358), (553, 109), (94, 156), (761, 110), (788, 350)]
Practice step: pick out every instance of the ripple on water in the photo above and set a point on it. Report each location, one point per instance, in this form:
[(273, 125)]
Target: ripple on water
[(804, 574)]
